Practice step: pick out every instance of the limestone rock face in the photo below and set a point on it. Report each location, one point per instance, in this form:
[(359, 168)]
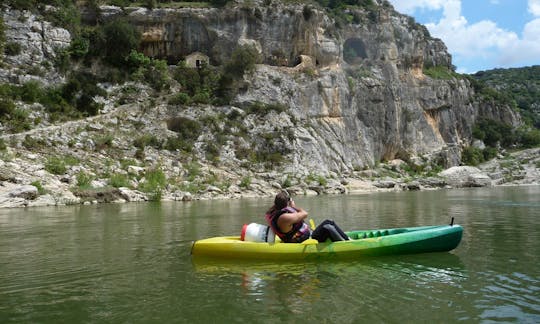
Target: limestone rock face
[(39, 41), (355, 95), (358, 94)]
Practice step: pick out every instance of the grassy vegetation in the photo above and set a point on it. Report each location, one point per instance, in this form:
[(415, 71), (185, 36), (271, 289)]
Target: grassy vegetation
[(58, 165), (319, 179), (39, 186), (440, 72), (84, 180), (245, 182), (118, 180), (155, 182)]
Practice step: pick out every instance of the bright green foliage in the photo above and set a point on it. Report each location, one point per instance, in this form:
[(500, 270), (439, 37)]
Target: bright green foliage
[(440, 72), (245, 182), (56, 165), (39, 187), (84, 180), (155, 182), (145, 69), (118, 180)]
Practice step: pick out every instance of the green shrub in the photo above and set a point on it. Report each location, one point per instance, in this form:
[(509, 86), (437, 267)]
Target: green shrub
[(120, 39), (56, 166), (118, 180), (491, 132), (31, 91), (84, 180), (57, 106), (31, 143), (193, 170), (2, 36), (79, 47), (201, 97), (287, 182), (243, 59), (7, 106), (212, 152), (145, 69), (178, 143), (472, 156), (18, 121), (39, 186), (440, 72), (2, 144), (180, 99), (155, 182), (530, 137), (147, 140), (125, 163), (262, 109), (489, 153), (12, 49), (187, 129), (103, 142), (65, 15), (245, 182)]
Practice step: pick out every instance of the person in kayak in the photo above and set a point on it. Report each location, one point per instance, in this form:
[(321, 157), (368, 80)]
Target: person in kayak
[(287, 221)]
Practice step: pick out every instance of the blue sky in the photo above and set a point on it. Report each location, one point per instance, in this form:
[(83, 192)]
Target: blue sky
[(481, 34)]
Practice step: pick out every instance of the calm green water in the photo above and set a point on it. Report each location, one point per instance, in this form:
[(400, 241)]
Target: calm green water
[(131, 263)]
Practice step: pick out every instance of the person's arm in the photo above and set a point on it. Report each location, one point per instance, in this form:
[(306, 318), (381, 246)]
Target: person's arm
[(286, 220)]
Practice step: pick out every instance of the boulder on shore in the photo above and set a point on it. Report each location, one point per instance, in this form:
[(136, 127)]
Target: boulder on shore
[(465, 176)]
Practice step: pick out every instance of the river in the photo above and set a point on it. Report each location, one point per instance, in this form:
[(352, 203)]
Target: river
[(131, 263)]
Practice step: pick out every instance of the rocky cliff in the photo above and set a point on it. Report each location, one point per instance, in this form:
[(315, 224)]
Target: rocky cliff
[(357, 90), (354, 86)]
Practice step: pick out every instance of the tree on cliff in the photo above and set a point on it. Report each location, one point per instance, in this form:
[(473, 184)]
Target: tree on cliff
[(121, 38)]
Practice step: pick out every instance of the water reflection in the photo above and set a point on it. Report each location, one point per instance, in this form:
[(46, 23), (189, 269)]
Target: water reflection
[(295, 286), (131, 263)]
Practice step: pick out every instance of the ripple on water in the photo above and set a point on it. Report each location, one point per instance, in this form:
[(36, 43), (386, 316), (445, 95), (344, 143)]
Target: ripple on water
[(511, 297)]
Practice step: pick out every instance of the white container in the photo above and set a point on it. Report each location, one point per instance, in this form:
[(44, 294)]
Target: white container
[(257, 233)]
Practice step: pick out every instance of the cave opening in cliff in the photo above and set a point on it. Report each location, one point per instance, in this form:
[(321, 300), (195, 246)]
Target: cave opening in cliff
[(354, 50)]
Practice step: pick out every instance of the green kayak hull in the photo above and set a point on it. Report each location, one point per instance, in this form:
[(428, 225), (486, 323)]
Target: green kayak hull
[(407, 240)]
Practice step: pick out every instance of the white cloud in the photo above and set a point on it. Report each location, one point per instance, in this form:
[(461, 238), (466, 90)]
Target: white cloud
[(410, 6), (534, 7), (525, 49), (483, 39)]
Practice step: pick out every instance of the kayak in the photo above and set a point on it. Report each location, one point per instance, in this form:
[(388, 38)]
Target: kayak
[(407, 240)]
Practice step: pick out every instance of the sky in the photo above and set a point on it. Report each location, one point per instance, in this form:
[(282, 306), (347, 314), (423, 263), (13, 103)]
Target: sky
[(481, 34)]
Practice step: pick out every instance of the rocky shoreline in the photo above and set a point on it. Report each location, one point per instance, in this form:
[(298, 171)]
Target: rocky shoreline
[(318, 127), (76, 163), (26, 181)]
